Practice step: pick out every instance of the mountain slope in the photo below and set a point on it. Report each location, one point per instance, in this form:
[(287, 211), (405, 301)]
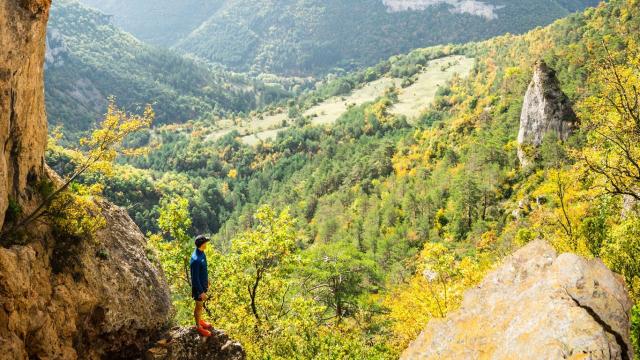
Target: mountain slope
[(314, 36), (89, 59), (159, 22), (401, 217)]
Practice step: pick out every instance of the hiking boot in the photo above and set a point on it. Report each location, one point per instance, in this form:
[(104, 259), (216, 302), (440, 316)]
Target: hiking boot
[(205, 325), (203, 332)]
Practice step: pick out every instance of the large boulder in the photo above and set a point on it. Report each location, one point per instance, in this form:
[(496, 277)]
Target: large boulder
[(23, 124), (546, 110), (537, 305), (184, 343), (66, 298)]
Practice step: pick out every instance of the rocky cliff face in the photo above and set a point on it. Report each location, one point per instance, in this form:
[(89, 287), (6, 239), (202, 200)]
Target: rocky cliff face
[(74, 298), (546, 110), (537, 305), (23, 125), (64, 297)]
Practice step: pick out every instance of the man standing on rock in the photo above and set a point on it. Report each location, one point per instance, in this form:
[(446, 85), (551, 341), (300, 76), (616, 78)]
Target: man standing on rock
[(200, 283)]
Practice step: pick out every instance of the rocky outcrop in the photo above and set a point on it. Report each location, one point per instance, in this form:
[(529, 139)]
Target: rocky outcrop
[(23, 125), (67, 298), (537, 305), (546, 110), (56, 49), (186, 344)]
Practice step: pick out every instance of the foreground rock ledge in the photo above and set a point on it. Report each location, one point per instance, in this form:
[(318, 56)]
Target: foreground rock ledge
[(101, 298), (537, 305), (184, 343)]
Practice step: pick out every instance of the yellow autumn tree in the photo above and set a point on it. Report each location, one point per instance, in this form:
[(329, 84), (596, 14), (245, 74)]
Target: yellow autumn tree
[(75, 211), (611, 157), (566, 203), (611, 118), (174, 252), (435, 290)]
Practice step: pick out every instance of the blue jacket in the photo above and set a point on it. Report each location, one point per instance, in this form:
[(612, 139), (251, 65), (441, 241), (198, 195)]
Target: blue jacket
[(199, 275)]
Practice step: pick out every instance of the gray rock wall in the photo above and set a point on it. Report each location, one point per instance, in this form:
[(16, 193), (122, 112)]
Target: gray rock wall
[(545, 110)]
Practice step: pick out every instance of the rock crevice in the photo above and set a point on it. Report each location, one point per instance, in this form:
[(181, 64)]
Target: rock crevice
[(619, 339)]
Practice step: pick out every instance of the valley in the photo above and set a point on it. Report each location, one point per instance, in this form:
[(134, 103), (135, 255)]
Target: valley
[(89, 59), (318, 37), (367, 179)]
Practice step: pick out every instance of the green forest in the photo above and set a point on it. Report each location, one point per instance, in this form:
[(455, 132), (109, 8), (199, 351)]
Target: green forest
[(332, 228), (296, 37), (95, 60)]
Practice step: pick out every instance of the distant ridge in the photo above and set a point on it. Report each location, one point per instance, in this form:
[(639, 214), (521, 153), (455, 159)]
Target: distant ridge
[(296, 37)]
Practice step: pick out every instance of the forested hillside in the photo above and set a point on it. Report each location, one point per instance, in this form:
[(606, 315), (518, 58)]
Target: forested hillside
[(354, 235), (312, 37), (159, 22), (89, 59)]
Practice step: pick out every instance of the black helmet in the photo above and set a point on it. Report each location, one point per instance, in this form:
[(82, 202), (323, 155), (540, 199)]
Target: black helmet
[(201, 239)]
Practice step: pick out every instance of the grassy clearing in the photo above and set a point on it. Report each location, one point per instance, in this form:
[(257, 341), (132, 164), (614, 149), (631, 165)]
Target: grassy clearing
[(412, 100), (330, 110), (264, 123), (254, 139)]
